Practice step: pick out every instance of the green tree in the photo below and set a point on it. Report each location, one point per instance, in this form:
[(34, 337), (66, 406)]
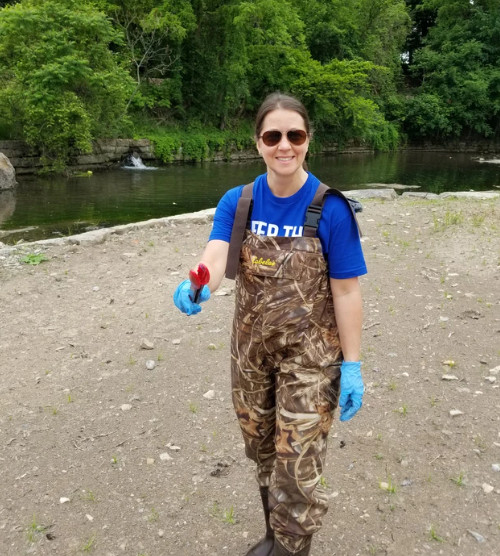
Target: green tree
[(215, 65), (337, 96), (153, 32), (459, 69), (61, 86), (274, 38), (332, 28), (373, 30)]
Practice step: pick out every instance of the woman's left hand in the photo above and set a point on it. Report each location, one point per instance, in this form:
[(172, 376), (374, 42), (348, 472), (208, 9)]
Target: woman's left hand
[(351, 389)]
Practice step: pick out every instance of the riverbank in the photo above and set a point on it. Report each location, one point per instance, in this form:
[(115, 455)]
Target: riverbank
[(112, 153), (116, 421)]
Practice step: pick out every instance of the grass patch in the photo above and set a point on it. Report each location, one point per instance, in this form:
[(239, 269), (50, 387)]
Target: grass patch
[(449, 219), (433, 535), (89, 544), (225, 515), (34, 259), (459, 480)]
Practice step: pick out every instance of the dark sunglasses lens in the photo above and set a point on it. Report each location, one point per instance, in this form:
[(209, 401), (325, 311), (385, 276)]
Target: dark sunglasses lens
[(271, 138), (297, 136)]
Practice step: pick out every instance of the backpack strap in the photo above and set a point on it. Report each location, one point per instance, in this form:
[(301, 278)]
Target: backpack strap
[(314, 210), (243, 212)]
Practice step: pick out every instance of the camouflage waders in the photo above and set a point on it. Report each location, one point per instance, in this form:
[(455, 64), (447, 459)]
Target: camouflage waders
[(285, 368)]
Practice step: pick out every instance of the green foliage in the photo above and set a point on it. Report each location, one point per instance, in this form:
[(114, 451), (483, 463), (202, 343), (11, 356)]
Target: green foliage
[(337, 96), (458, 71), (370, 71), (153, 32), (427, 116), (34, 259), (197, 143), (61, 85)]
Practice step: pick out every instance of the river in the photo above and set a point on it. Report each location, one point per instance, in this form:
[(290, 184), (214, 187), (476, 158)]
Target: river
[(44, 207)]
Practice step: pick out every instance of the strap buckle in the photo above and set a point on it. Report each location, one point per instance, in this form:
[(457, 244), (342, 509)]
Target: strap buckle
[(313, 216)]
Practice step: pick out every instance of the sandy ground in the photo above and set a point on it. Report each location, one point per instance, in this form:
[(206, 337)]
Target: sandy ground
[(102, 455)]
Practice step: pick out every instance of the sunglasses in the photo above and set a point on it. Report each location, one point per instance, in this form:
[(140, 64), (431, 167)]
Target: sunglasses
[(294, 136)]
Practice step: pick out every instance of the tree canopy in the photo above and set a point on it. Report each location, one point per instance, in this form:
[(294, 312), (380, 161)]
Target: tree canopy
[(378, 72), (61, 83)]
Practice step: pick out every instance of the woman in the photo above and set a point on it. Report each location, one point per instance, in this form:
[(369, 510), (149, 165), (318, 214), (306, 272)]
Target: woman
[(297, 326)]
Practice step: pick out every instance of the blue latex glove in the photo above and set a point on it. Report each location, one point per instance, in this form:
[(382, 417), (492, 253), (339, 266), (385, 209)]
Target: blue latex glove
[(351, 389), (183, 298)]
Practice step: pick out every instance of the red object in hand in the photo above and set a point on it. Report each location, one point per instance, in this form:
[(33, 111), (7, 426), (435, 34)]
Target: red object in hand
[(199, 278)]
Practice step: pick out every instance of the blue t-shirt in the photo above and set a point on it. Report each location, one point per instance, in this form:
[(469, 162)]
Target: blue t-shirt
[(285, 216)]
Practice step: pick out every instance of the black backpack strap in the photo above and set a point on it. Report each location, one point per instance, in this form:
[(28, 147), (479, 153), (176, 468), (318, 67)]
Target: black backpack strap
[(314, 210), (243, 210)]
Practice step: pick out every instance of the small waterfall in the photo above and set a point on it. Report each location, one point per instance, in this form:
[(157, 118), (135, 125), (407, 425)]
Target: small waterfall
[(135, 163)]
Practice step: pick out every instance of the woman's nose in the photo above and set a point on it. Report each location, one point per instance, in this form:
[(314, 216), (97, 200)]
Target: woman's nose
[(284, 142)]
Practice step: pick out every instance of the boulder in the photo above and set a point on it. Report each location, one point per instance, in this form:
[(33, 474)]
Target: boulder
[(7, 173)]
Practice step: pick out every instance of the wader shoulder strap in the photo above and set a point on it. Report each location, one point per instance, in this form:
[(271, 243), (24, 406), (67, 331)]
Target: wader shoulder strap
[(314, 210), (239, 226)]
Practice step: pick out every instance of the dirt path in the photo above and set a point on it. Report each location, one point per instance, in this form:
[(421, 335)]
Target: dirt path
[(101, 455)]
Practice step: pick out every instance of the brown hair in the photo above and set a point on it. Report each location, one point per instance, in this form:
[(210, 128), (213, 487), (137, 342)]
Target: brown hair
[(274, 101)]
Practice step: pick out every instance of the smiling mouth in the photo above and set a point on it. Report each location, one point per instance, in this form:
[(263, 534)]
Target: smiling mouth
[(284, 158)]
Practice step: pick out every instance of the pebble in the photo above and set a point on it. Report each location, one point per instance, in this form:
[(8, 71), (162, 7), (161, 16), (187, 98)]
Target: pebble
[(147, 344), (449, 377), (126, 407), (150, 461), (210, 395), (176, 342), (487, 489), (95, 289), (495, 467), (477, 536), (89, 517), (165, 456), (490, 379), (455, 412), (63, 500), (495, 370), (150, 364)]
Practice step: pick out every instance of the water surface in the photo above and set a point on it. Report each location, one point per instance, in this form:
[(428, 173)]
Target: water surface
[(51, 206)]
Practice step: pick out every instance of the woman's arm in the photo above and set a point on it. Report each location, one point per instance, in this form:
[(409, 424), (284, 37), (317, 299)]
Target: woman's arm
[(348, 313), (215, 258)]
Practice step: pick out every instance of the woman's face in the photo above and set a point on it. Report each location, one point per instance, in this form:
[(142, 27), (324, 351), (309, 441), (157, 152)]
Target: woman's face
[(284, 159)]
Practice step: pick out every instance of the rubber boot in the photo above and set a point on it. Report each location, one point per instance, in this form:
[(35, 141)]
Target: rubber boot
[(280, 550), (265, 546)]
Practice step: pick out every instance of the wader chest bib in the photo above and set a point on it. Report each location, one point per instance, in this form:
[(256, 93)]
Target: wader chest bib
[(285, 366)]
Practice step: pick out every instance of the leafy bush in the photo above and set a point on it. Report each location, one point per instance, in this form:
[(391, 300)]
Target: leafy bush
[(198, 144), (60, 84)]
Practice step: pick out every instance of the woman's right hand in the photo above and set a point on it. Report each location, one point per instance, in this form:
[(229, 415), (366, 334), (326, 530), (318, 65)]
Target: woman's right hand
[(183, 298)]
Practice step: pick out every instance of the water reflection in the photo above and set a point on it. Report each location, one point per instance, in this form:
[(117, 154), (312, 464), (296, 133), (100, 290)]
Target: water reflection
[(7, 205), (55, 205)]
